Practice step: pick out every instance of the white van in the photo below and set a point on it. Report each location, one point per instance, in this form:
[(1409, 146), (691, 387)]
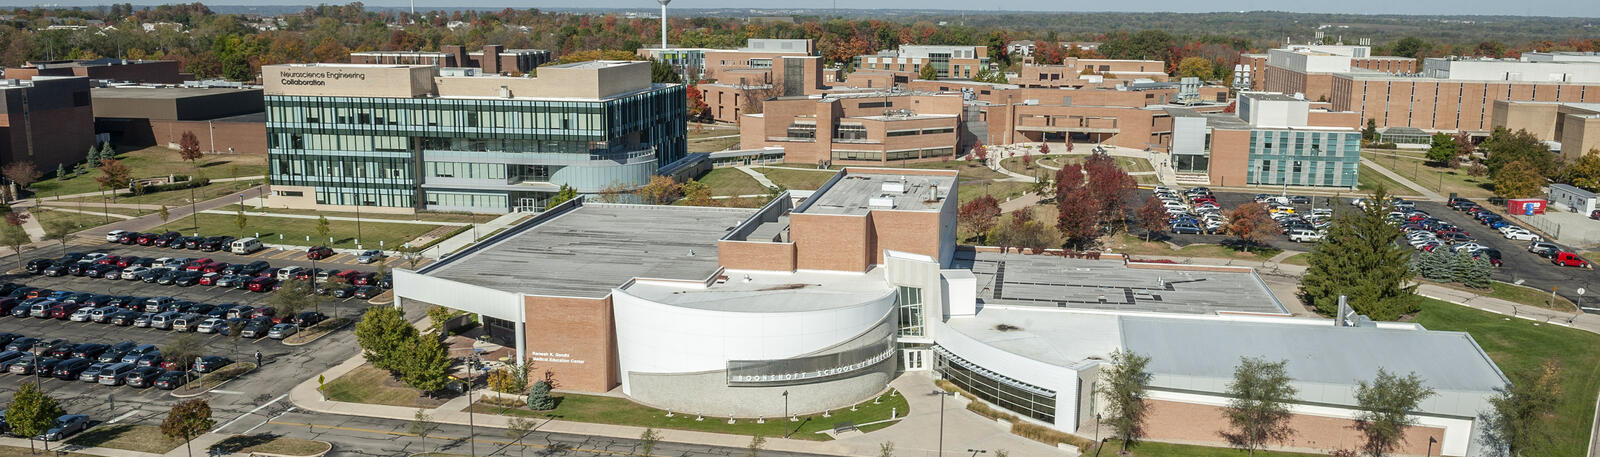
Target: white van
[(245, 246)]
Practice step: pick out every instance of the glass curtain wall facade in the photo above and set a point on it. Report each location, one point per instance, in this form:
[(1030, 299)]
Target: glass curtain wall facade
[(371, 151), (1304, 158), (1010, 394)]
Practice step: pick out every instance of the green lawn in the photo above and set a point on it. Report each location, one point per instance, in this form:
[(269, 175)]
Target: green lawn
[(697, 131), (732, 181), (79, 221), (796, 179), (712, 145), (181, 197), (430, 216), (1520, 294), (1149, 449), (367, 384), (14, 451), (1368, 179), (295, 230), (1442, 180), (618, 411), (1000, 190), (141, 438), (1298, 259), (965, 169), (1519, 346), (158, 161)]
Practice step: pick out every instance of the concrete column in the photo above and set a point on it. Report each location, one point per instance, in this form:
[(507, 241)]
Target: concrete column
[(522, 326)]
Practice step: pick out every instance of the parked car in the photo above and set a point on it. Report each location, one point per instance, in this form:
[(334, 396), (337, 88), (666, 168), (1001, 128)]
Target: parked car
[(123, 318), (1522, 234), (308, 318), (114, 235), (370, 256), (114, 374), (171, 380), (64, 427), (263, 284), (210, 363), (141, 376), (319, 253), (282, 331), (1568, 259), (367, 292), (69, 369), (1546, 250), (1305, 236), (257, 327)]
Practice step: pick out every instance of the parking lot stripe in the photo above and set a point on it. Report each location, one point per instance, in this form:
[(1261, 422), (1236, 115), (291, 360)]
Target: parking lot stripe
[(123, 416), (253, 411)]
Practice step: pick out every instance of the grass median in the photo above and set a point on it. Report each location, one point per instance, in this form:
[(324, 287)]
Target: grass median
[(128, 437), (295, 230), (270, 444), (618, 411), (796, 179), (368, 384)]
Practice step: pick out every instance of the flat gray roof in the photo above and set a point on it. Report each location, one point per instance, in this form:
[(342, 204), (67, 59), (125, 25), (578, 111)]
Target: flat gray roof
[(1325, 361), (590, 249), (163, 93), (1059, 282), (860, 192)]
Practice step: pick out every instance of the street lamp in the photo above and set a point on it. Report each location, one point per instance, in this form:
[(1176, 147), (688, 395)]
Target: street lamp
[(975, 452), (785, 408), (942, 395), (472, 444), (1579, 306)]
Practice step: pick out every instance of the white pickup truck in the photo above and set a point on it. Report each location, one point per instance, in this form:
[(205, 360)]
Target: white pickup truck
[(1305, 236)]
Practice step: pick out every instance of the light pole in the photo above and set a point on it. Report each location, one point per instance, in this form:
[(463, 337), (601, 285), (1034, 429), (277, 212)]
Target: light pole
[(975, 452), (472, 444), (942, 395), (785, 406), (1579, 306)]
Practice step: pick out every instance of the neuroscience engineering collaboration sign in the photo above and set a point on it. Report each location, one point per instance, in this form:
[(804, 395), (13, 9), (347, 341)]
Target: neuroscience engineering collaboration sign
[(318, 78)]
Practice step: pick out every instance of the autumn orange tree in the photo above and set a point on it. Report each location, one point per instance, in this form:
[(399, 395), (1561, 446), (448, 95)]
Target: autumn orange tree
[(1250, 222)]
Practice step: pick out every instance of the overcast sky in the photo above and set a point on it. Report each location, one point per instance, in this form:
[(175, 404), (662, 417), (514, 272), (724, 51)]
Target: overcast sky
[(1562, 8)]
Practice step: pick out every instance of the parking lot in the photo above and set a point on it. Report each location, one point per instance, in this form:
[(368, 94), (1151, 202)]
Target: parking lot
[(1519, 264), (284, 365)]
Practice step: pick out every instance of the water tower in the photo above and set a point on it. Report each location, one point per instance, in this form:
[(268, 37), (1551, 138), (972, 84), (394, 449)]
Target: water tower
[(664, 22)]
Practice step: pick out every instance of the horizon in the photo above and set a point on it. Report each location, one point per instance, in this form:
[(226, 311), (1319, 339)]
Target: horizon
[(1421, 8)]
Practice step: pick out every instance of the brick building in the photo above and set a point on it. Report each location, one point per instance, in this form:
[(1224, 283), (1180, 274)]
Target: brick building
[(858, 128), (1575, 126), (957, 62), (122, 70), (48, 120), (1272, 139), (225, 120), (1458, 94), (492, 59), (1309, 69), (1079, 73)]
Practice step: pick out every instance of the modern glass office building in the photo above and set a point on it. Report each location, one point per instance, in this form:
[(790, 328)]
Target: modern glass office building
[(492, 144), (1304, 158)]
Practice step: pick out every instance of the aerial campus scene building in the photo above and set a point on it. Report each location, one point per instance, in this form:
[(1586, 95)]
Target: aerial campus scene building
[(787, 220)]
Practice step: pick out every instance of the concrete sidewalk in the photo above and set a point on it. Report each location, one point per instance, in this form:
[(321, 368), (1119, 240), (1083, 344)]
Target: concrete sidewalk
[(760, 178), (101, 451)]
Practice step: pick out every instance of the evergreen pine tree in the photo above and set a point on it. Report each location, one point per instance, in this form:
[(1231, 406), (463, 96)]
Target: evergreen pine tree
[(107, 151), (1478, 275), (1361, 260), (61, 171), (94, 157), (1461, 267)]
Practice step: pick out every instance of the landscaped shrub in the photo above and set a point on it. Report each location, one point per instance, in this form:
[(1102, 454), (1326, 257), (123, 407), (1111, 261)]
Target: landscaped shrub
[(141, 190), (1048, 435), (539, 397)]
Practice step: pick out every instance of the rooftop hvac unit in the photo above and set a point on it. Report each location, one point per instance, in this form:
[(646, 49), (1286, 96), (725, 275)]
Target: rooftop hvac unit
[(898, 187), (883, 202)]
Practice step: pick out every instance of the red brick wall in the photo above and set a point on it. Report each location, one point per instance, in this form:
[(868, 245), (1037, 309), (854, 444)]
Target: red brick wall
[(1173, 421), (905, 231), (581, 328), (1230, 157), (831, 242), (751, 255), (243, 137)]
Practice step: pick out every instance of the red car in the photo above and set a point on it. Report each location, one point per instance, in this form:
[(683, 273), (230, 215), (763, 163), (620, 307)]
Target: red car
[(319, 253), (1568, 259), (197, 264), (108, 260), (215, 267), (128, 238), (209, 279), (361, 279), (146, 239), (62, 311), (263, 284)]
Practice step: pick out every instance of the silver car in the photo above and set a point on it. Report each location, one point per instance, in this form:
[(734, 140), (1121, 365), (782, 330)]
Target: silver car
[(371, 256)]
